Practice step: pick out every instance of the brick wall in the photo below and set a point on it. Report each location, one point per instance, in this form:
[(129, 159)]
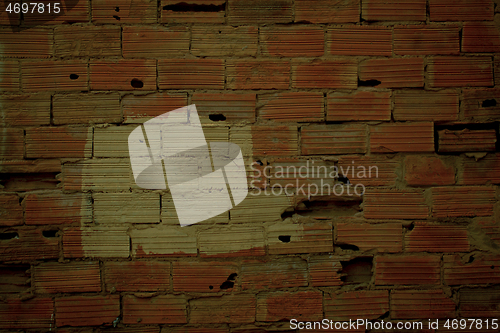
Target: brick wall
[(406, 86)]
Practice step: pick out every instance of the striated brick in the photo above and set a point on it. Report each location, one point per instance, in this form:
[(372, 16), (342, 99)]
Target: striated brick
[(466, 140), (224, 41), (463, 201), (163, 309), (417, 304), (385, 237), (325, 74), (481, 104), (333, 139), (372, 170), (196, 11), (356, 304), (128, 11), (10, 210), (259, 208), (206, 276), (482, 270), (402, 137), (25, 110), (9, 75), (395, 204), (293, 106), (86, 108), (87, 41), (459, 71), (480, 37), (428, 170), (258, 74), (297, 174), (136, 275), (234, 107), (490, 227), (32, 43), (267, 140), (36, 313), (483, 171), (482, 303), (392, 73), (460, 10), (324, 271), (154, 42), (53, 277), (426, 39), (87, 310), (436, 238), (284, 273), (156, 242), (393, 10), (72, 11), (407, 269), (299, 41), (26, 245), (96, 242), (52, 142), (140, 108), (122, 74), (234, 309), (360, 40), (422, 105), (191, 74), (112, 141), (130, 329), (302, 305), (232, 241), (327, 11), (30, 166), (288, 238), (57, 208), (250, 11), (187, 329), (15, 279), (11, 19), (53, 75), (359, 105), (119, 208)]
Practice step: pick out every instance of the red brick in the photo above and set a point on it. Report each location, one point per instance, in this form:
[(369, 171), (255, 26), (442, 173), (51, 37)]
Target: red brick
[(200, 11), (9, 75), (359, 105), (11, 19), (481, 104), (87, 310), (29, 244), (250, 11), (154, 42), (57, 208), (136, 275), (479, 303), (206, 276), (402, 137), (374, 170), (86, 108), (128, 11), (387, 237), (50, 142), (87, 41), (356, 304), (461, 10), (459, 71), (395, 204), (234, 107), (324, 271), (496, 64), (30, 166), (463, 201), (139, 108), (393, 73), (73, 277), (163, 309), (54, 75), (15, 278), (327, 11), (490, 227), (25, 110), (231, 241), (224, 41), (130, 329), (294, 41), (285, 273), (268, 140), (304, 238), (187, 329), (234, 309), (408, 269), (422, 105), (163, 242), (191, 74), (418, 304), (325, 74), (333, 139), (10, 210), (36, 313), (302, 305), (428, 170), (426, 39), (96, 241), (258, 74), (393, 10), (72, 11), (483, 171), (436, 238), (466, 140), (31, 43), (480, 37), (121, 74), (293, 106), (480, 269), (360, 40)]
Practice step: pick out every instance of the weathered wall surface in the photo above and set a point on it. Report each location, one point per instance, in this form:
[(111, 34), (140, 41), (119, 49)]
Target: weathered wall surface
[(406, 86)]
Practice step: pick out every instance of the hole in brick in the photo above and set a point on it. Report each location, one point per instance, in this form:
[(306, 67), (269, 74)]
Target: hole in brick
[(136, 83), (410, 226), (492, 267), (259, 162), (185, 7), (217, 117), (73, 76), (9, 235), (232, 276), (368, 83), (117, 9), (348, 247), (28, 182), (343, 179), (385, 315), (327, 206), (116, 17), (488, 103), (285, 239), (210, 287), (49, 233), (357, 270), (227, 285), (471, 259)]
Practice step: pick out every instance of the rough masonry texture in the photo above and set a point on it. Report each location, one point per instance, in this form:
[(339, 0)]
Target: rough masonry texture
[(403, 88)]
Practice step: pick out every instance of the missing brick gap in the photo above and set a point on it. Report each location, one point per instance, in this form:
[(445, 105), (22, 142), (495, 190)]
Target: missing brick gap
[(343, 179), (116, 17), (409, 226), (368, 83), (285, 238), (49, 233), (488, 103), (217, 117), (325, 207), (9, 235), (357, 270), (348, 247), (74, 76), (117, 9), (185, 7)]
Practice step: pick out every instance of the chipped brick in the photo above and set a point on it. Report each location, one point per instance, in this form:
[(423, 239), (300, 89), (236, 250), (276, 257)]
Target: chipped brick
[(258, 74), (53, 277), (459, 71), (27, 245), (154, 42), (395, 204), (87, 41), (417, 304), (234, 107), (324, 271), (53, 75), (285, 273), (191, 74), (129, 12), (421, 105), (301, 41), (356, 304), (359, 105), (428, 170), (325, 74), (57, 208), (224, 41), (333, 139), (369, 170), (163, 309), (206, 276), (463, 201), (387, 237), (480, 269), (293, 106), (287, 238), (360, 40), (51, 142), (327, 11), (426, 39), (199, 11), (393, 73), (466, 140), (408, 269), (87, 310), (234, 309), (402, 137), (30, 166), (14, 279), (481, 104), (302, 305), (122, 74), (483, 171), (436, 238)]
